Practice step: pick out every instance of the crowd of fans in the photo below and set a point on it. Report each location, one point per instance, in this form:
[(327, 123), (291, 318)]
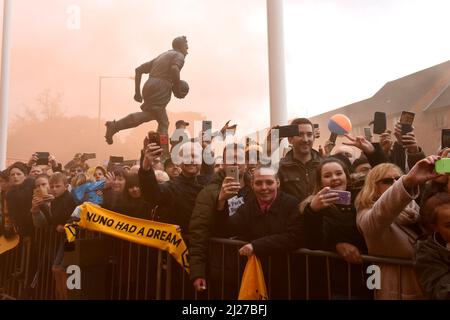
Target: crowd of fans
[(398, 207)]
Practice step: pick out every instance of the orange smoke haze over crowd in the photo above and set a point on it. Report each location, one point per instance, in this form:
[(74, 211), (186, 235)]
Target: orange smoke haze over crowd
[(226, 67)]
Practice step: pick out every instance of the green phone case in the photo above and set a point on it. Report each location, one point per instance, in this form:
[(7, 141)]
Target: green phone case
[(443, 165)]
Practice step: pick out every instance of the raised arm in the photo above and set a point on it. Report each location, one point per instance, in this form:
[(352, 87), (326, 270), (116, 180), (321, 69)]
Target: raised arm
[(392, 202)]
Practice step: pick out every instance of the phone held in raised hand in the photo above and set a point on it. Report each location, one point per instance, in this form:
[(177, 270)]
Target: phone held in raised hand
[(367, 133), (153, 137), (233, 172), (288, 131), (442, 165), (206, 129), (406, 121), (88, 156), (445, 138), (379, 122), (42, 158), (345, 197), (115, 159)]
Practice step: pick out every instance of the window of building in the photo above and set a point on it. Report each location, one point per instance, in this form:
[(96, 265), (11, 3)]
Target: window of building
[(440, 119)]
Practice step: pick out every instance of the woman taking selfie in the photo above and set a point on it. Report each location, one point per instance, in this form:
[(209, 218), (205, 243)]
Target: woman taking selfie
[(330, 224), (388, 218)]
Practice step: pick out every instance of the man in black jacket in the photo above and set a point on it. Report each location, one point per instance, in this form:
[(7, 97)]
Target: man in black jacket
[(298, 168), (226, 194), (177, 195)]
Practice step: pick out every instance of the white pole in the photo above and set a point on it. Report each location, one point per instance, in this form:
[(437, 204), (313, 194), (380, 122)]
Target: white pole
[(4, 84), (277, 81)]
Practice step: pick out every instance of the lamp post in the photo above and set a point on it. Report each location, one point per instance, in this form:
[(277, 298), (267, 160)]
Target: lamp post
[(100, 78), (4, 90), (277, 81)]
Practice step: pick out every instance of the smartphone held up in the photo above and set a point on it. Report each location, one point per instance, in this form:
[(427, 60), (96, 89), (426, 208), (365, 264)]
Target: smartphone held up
[(406, 121), (232, 172), (345, 197)]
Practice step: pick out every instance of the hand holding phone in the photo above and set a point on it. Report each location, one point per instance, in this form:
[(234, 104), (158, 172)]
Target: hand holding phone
[(151, 153), (316, 130), (42, 158), (88, 156), (368, 133), (406, 121), (206, 130), (379, 123), (115, 159), (442, 166), (288, 131), (232, 172), (153, 137), (345, 197)]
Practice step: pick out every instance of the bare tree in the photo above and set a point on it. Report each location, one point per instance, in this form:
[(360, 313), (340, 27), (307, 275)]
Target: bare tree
[(50, 105)]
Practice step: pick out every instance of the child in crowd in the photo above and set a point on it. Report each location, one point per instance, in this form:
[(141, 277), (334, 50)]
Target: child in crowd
[(99, 173), (432, 259), (86, 191)]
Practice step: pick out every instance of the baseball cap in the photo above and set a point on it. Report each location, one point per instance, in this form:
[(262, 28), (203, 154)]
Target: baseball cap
[(181, 123)]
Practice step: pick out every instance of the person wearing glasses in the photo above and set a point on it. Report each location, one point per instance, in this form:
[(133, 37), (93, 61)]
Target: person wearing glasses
[(388, 217)]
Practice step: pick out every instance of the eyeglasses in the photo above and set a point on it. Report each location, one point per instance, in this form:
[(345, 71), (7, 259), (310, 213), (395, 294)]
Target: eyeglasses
[(388, 181)]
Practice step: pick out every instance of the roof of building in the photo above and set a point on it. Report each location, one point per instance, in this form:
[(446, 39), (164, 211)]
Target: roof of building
[(427, 89)]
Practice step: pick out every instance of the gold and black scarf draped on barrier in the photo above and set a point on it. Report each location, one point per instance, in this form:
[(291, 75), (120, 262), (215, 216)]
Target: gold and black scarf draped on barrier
[(149, 233)]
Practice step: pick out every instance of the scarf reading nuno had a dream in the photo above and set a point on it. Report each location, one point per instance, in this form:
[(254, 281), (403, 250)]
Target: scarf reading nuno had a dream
[(149, 233)]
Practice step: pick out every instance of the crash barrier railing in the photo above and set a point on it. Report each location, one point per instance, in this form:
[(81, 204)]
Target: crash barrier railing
[(119, 270), (26, 270), (110, 268), (303, 274)]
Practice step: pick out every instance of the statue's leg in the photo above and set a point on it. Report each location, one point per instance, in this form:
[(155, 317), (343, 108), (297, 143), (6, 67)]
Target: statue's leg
[(130, 121), (160, 115)]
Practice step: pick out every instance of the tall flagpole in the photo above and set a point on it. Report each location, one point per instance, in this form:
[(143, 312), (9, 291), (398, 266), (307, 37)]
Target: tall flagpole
[(4, 82), (277, 81)]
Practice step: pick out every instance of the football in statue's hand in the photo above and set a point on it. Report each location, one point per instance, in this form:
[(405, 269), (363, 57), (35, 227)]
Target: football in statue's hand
[(183, 90)]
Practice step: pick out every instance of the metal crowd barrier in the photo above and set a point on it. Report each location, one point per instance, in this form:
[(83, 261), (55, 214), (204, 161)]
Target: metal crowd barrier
[(119, 270), (26, 271)]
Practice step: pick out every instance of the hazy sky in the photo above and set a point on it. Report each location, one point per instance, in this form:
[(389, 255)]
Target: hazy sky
[(337, 52)]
